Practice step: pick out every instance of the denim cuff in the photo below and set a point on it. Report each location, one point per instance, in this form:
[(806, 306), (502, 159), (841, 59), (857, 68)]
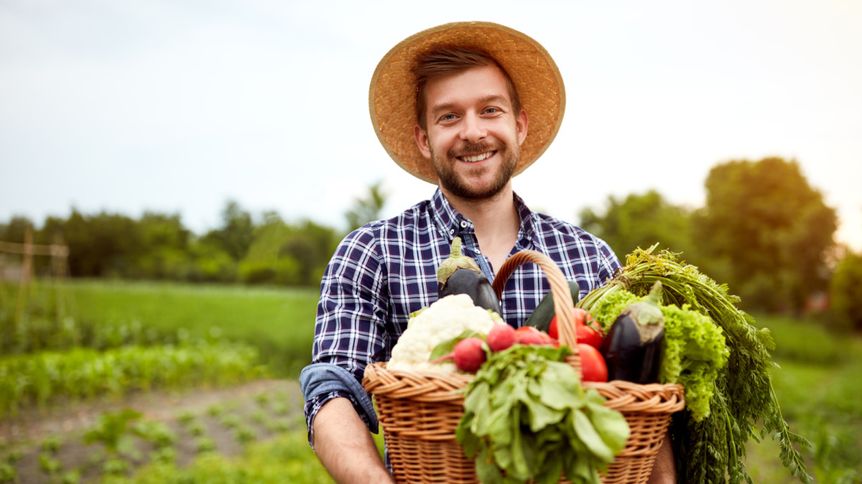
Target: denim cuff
[(321, 378)]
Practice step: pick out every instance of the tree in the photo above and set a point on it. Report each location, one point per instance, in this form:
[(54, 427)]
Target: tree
[(164, 247), (288, 254), (102, 245), (366, 209), (767, 231), (845, 291), (236, 233), (641, 221)]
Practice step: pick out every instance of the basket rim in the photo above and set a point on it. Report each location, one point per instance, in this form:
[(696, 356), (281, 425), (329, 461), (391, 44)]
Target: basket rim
[(443, 388)]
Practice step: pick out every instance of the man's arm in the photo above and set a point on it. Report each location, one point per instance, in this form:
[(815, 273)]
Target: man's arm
[(344, 445)]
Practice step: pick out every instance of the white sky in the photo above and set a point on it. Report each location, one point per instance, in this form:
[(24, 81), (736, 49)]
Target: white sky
[(176, 106)]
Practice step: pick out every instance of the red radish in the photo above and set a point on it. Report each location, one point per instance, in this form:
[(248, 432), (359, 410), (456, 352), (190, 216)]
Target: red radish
[(469, 354), (501, 337), (528, 335)]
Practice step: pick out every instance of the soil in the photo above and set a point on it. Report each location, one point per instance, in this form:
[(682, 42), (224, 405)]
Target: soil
[(200, 417)]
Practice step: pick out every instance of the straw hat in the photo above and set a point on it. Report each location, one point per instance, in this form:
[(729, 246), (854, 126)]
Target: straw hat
[(392, 95)]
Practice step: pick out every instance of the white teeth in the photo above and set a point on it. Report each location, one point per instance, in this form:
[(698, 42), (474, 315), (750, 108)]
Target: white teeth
[(479, 157)]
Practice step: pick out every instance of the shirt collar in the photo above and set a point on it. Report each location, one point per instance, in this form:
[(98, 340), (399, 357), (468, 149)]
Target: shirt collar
[(451, 223)]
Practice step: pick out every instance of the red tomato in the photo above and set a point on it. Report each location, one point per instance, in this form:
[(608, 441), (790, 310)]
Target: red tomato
[(586, 329), (552, 329), (593, 366), (590, 335), (581, 316)]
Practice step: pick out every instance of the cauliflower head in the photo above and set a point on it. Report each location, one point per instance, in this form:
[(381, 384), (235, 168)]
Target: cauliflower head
[(441, 321)]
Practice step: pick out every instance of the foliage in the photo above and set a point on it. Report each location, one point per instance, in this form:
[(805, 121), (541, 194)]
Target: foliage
[(288, 254), (845, 291), (819, 399), (47, 377), (766, 232), (526, 417), (114, 432), (744, 400), (236, 232), (158, 247), (278, 322), (366, 209), (287, 458), (47, 323), (641, 221), (694, 346)]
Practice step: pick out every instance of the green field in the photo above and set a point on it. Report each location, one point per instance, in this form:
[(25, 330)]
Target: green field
[(278, 321), (817, 382)]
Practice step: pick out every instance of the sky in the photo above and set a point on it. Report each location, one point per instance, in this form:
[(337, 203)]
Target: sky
[(177, 106)]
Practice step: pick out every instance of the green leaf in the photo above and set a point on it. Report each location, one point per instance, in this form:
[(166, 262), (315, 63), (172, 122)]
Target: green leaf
[(446, 347), (588, 435)]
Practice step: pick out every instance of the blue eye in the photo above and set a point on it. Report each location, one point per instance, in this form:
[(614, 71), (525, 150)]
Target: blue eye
[(447, 117)]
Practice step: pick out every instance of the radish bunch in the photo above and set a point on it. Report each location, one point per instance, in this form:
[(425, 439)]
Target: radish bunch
[(468, 353)]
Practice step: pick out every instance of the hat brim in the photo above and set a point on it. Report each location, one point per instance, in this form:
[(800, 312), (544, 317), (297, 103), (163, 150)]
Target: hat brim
[(537, 79)]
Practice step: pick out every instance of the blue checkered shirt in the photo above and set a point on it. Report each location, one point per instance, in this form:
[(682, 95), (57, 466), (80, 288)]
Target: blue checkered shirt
[(387, 269)]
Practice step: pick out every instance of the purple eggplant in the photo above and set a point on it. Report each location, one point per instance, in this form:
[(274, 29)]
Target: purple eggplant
[(634, 344), (459, 274)]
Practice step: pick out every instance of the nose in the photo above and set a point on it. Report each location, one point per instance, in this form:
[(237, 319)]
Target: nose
[(472, 129)]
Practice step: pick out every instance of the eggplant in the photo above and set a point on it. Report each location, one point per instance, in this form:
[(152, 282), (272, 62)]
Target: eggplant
[(634, 344), (459, 274)]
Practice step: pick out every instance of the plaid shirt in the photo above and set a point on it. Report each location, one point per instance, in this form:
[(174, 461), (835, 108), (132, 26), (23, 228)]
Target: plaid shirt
[(387, 269)]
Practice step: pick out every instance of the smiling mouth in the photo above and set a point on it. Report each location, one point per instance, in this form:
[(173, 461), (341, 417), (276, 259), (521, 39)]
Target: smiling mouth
[(476, 158)]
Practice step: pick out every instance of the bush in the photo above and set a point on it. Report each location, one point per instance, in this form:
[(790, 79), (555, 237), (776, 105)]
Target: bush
[(845, 291)]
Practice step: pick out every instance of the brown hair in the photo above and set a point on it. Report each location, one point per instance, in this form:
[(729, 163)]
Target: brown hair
[(445, 60)]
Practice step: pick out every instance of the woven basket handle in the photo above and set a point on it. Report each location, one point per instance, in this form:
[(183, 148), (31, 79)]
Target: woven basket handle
[(563, 303)]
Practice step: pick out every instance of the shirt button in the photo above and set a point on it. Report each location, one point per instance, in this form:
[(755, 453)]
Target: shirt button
[(451, 231)]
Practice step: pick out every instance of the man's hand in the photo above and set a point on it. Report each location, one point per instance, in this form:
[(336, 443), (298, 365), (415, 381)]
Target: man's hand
[(344, 445)]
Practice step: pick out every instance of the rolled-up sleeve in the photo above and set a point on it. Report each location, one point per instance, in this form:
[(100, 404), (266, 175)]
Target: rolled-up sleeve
[(349, 329)]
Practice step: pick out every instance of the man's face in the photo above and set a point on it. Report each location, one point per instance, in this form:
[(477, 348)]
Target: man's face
[(473, 137)]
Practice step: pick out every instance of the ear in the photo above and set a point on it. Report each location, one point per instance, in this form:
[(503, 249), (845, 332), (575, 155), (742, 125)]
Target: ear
[(521, 123), (421, 138)]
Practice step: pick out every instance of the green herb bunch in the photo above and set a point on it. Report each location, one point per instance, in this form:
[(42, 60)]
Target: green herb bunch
[(527, 418), (743, 404)]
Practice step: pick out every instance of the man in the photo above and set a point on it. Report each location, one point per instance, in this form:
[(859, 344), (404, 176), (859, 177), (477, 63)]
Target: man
[(464, 106)]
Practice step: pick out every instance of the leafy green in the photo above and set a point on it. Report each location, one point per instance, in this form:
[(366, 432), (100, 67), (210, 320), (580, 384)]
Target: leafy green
[(446, 347), (743, 404), (694, 347), (527, 418)]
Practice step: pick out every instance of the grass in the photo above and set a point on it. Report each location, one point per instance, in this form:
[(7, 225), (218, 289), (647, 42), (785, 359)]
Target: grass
[(278, 321), (817, 385), (817, 382)]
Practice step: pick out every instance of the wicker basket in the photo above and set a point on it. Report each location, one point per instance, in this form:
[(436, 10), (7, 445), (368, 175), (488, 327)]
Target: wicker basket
[(420, 411)]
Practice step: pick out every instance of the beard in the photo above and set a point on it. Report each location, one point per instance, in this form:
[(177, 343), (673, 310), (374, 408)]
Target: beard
[(460, 186)]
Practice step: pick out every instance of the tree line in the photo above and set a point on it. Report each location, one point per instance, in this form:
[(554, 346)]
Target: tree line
[(157, 246), (763, 229)]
